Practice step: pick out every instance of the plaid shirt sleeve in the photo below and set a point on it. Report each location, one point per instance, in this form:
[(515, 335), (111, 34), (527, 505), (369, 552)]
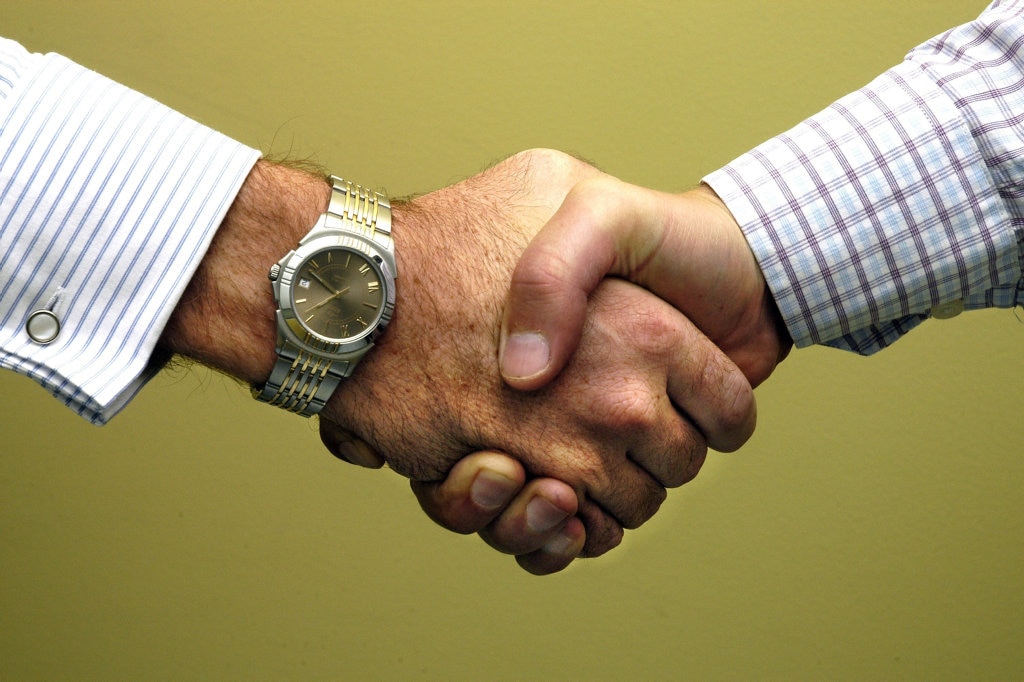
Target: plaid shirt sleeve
[(901, 201)]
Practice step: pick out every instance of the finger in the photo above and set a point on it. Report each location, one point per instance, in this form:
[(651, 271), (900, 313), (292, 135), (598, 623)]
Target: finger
[(644, 443), (475, 492), (710, 402), (343, 445), (533, 519), (604, 533), (630, 496), (592, 234), (671, 453), (718, 398), (558, 552)]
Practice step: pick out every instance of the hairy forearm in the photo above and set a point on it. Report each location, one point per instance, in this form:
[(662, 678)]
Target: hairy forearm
[(226, 317)]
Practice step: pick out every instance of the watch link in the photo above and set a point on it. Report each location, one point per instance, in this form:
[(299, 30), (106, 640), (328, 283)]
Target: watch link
[(335, 294)]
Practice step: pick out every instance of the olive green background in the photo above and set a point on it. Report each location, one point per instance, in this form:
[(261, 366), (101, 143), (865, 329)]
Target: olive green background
[(871, 529)]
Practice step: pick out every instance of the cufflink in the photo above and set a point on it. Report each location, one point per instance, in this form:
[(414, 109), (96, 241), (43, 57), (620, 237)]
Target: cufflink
[(43, 326)]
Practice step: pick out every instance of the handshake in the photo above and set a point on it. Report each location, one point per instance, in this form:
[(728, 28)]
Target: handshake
[(565, 346)]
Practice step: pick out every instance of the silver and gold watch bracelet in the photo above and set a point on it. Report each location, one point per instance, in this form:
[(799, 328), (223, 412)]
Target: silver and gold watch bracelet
[(302, 381)]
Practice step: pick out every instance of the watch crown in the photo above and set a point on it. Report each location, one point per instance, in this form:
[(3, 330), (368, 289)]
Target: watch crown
[(275, 272)]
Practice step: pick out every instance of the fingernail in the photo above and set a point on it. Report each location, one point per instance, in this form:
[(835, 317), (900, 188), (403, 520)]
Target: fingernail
[(560, 544), (542, 516), (525, 354), (491, 490)]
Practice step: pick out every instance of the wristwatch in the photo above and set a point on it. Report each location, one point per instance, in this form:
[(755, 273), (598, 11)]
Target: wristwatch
[(335, 294)]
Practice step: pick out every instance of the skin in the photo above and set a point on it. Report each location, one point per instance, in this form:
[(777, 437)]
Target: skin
[(631, 414), (685, 248)]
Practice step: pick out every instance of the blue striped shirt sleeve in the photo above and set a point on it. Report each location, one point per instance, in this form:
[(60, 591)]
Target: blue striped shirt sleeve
[(108, 201), (902, 200)]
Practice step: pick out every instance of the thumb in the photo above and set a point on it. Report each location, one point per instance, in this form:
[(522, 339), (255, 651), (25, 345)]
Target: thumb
[(591, 235)]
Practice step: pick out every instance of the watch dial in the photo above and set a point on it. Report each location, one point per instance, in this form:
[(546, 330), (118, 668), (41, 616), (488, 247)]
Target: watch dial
[(337, 294)]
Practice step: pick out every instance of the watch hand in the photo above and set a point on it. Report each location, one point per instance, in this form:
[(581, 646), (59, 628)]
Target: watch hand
[(320, 279), (330, 298)]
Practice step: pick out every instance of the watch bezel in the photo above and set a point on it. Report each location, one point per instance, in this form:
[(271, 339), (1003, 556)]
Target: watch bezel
[(284, 290)]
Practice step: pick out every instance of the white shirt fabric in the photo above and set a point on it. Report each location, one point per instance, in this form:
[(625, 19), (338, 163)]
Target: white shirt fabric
[(108, 201)]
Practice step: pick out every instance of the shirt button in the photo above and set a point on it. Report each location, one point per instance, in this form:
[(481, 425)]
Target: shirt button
[(43, 326), (945, 311)]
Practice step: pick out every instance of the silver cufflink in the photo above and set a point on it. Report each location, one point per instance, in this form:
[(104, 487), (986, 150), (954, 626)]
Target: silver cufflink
[(43, 326)]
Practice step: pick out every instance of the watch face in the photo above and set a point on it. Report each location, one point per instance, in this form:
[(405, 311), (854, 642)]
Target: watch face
[(337, 294)]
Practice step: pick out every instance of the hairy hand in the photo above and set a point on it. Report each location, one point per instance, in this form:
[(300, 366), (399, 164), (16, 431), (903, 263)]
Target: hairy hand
[(632, 413)]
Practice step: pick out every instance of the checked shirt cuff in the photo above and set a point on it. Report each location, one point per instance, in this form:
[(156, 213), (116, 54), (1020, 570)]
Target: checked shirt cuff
[(867, 216)]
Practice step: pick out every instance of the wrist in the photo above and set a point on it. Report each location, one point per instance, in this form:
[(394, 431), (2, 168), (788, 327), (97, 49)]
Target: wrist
[(765, 332), (225, 319)]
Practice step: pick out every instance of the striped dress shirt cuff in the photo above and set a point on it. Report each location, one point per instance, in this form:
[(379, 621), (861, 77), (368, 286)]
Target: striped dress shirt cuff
[(900, 200), (108, 201)]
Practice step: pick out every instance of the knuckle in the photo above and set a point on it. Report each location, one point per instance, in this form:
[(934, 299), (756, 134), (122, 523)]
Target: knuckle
[(655, 333), (681, 456), (677, 476), (637, 414), (650, 502), (698, 452), (695, 464), (740, 412), (736, 407), (592, 473), (626, 410), (603, 532), (546, 159)]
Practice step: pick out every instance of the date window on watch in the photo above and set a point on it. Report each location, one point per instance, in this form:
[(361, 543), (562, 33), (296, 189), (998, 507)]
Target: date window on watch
[(303, 282)]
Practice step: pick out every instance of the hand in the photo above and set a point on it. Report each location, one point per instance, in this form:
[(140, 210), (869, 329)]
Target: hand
[(226, 320), (685, 248), (431, 393), (611, 426), (487, 493)]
